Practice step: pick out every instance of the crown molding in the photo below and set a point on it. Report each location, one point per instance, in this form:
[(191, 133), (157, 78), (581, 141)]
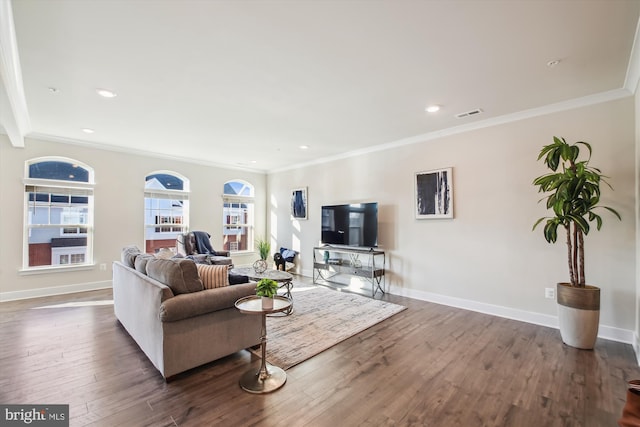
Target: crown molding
[(571, 104), (15, 115), (132, 151)]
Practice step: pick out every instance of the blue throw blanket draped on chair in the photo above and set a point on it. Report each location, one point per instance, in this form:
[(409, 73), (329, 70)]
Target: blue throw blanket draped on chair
[(203, 244)]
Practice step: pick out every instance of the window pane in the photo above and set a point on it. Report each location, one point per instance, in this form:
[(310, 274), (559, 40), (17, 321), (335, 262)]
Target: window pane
[(58, 228), (238, 188), (58, 170), (54, 245), (163, 181), (236, 238), (237, 216), (165, 213)]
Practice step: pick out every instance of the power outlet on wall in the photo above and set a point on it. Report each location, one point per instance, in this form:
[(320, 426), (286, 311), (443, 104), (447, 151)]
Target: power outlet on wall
[(103, 267), (549, 293)]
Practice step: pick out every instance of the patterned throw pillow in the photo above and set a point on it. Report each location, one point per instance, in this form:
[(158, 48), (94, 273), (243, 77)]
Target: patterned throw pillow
[(213, 276)]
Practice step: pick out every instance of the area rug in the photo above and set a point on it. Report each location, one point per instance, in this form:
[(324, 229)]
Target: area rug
[(321, 318)]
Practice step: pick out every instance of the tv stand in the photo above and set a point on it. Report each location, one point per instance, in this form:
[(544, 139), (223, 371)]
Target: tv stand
[(331, 261)]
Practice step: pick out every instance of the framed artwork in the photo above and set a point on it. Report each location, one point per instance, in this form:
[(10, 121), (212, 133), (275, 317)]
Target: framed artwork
[(299, 203), (434, 194)]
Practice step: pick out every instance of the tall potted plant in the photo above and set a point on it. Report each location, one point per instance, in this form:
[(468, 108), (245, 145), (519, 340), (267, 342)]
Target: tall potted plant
[(573, 189)]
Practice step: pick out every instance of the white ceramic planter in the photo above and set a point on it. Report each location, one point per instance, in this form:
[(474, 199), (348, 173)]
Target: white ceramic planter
[(267, 303), (579, 315)]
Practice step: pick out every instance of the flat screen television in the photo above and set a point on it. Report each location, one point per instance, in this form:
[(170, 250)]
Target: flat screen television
[(354, 224)]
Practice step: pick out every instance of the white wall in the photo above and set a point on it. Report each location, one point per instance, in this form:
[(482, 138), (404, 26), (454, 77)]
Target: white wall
[(119, 210), (487, 258)]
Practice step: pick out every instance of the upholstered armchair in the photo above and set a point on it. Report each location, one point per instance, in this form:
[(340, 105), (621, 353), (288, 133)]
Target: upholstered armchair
[(197, 245)]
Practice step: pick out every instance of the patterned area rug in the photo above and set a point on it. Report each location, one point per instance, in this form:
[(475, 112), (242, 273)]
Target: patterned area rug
[(321, 318)]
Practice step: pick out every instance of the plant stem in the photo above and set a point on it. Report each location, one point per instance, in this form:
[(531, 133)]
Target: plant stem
[(581, 279), (572, 275)]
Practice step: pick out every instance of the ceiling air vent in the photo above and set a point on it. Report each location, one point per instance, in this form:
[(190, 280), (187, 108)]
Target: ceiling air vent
[(469, 113)]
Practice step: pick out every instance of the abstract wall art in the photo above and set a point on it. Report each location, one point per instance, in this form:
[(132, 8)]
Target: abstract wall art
[(434, 194), (299, 203)]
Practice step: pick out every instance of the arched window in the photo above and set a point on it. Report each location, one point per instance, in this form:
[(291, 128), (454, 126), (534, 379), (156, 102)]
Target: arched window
[(166, 209), (237, 216), (58, 205)]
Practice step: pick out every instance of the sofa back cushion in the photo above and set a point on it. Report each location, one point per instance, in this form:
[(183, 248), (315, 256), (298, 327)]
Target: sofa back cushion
[(129, 254), (141, 262), (181, 275), (213, 276)]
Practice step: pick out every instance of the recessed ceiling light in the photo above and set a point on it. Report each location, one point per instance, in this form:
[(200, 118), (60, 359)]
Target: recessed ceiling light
[(553, 63), (106, 93), (54, 90), (304, 147), (88, 130), (432, 108), (254, 161)]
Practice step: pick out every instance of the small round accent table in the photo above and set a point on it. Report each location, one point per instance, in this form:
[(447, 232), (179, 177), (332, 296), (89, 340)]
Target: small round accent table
[(268, 378), (284, 279)]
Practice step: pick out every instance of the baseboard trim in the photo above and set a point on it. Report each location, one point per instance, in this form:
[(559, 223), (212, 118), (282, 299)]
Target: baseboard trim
[(57, 290), (606, 332), (636, 347)]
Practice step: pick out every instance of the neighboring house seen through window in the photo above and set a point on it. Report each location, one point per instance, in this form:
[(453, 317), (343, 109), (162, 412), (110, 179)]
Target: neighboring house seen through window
[(166, 209), (237, 216), (58, 205)]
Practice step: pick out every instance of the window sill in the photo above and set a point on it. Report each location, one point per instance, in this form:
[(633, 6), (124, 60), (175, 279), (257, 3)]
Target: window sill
[(241, 253), (55, 269)]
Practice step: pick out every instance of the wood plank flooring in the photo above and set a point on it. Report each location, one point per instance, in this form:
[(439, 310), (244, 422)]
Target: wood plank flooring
[(429, 365)]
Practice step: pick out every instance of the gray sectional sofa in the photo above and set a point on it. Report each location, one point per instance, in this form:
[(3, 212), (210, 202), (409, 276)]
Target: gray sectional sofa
[(178, 324)]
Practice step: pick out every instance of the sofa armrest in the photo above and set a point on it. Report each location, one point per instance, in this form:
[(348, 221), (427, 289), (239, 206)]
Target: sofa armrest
[(194, 304), (222, 253)]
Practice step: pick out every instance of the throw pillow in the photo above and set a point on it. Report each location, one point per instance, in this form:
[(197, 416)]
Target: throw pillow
[(164, 253), (213, 276), (129, 254), (180, 274), (288, 254)]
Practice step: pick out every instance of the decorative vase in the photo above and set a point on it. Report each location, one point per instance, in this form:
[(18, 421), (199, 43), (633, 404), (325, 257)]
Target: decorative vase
[(260, 266), (578, 315), (267, 303)]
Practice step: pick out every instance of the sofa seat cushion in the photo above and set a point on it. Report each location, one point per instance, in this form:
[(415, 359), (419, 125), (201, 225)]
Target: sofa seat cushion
[(180, 274), (189, 305), (210, 259), (220, 260)]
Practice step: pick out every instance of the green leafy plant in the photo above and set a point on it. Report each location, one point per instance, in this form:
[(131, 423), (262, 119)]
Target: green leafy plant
[(264, 247), (574, 189), (266, 288)]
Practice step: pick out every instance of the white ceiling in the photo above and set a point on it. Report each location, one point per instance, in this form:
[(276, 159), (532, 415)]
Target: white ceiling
[(231, 82)]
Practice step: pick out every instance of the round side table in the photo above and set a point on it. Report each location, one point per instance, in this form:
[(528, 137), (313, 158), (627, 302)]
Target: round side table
[(268, 378)]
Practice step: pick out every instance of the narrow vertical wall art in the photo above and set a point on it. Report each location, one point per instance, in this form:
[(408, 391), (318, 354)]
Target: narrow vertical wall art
[(434, 194), (299, 203)]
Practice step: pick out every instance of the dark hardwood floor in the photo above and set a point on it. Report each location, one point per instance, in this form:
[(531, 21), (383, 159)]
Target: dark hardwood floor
[(429, 365)]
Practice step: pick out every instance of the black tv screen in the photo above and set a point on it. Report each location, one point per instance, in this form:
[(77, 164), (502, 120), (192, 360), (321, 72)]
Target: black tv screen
[(355, 224)]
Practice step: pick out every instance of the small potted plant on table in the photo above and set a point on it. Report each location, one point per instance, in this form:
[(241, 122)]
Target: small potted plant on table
[(267, 289)]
